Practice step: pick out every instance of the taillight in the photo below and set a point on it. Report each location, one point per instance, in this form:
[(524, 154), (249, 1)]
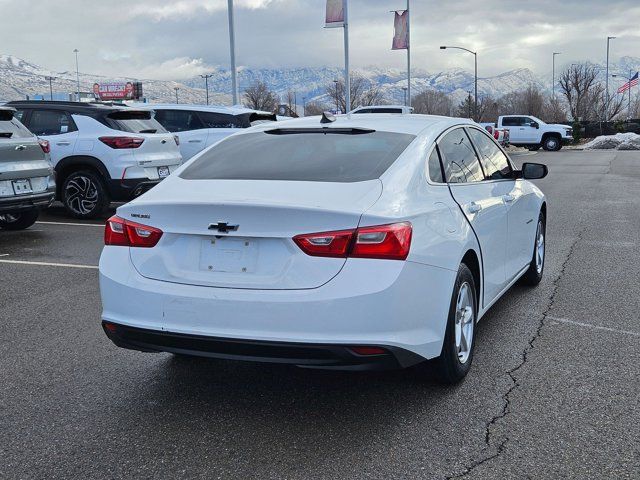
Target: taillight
[(44, 144), (384, 241), (391, 242), (124, 233), (325, 244), (496, 134), (177, 139), (122, 142)]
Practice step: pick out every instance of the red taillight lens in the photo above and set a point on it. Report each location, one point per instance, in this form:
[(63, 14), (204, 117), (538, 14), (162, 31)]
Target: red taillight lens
[(384, 241), (122, 142), (325, 244), (44, 144), (177, 139), (496, 134), (121, 232), (391, 242)]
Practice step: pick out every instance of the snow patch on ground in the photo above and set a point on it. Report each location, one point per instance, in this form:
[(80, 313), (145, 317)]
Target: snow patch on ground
[(619, 141)]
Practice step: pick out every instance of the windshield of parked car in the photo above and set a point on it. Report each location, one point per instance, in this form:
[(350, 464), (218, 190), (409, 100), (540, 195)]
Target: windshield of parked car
[(308, 156)]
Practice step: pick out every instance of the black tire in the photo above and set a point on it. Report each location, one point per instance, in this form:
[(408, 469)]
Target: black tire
[(552, 143), (534, 274), (450, 367), (19, 220), (534, 148), (84, 194)]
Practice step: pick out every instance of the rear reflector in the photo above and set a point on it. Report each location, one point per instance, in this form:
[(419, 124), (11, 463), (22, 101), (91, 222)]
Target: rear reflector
[(110, 327), (124, 233), (122, 142), (390, 242), (368, 350)]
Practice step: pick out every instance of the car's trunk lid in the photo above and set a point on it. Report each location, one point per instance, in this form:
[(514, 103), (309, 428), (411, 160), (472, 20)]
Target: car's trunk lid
[(255, 250)]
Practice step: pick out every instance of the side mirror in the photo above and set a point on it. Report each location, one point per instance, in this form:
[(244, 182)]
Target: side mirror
[(535, 124), (534, 171)]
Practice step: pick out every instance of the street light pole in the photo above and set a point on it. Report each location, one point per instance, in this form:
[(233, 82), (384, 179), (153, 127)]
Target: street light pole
[(232, 48), (75, 50), (475, 54), (606, 107), (206, 83), (404, 89), (337, 105), (51, 79), (553, 76), (176, 89)]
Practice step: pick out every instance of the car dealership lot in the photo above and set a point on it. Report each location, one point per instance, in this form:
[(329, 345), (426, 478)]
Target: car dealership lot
[(553, 391)]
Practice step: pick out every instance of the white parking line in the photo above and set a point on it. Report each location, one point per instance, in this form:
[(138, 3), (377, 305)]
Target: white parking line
[(75, 224), (49, 264), (588, 325)]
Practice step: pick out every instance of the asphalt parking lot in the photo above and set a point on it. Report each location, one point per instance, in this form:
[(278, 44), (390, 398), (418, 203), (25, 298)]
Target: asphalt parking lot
[(553, 392)]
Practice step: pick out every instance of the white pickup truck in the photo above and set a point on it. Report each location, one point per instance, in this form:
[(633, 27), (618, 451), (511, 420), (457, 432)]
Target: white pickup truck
[(532, 133)]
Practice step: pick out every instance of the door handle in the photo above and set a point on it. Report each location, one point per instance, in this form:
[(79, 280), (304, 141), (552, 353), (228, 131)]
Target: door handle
[(508, 198), (63, 144), (195, 141), (21, 147), (474, 208)]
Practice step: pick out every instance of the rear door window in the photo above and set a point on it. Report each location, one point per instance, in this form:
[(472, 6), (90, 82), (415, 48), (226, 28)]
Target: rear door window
[(179, 120), (51, 122), (435, 170), (459, 159), (512, 121), (295, 156), (12, 128), (133, 122), (220, 120), (494, 162)]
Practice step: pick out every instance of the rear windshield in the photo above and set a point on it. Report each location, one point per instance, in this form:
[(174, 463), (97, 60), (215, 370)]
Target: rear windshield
[(13, 129), (310, 157), (134, 122)]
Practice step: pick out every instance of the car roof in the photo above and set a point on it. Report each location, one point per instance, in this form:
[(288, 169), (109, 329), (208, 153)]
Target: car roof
[(86, 108), (234, 110), (413, 124)]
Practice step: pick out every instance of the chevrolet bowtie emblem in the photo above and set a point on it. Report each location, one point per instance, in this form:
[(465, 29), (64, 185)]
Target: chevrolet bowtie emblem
[(223, 227)]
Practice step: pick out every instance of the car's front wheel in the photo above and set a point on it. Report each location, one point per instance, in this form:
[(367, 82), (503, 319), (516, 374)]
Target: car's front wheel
[(84, 194), (454, 362), (19, 220), (552, 143)]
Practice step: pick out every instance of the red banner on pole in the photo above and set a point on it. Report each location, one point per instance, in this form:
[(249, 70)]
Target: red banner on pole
[(334, 14), (400, 31)]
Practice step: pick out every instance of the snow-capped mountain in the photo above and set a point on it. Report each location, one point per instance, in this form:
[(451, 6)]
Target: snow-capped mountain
[(19, 78)]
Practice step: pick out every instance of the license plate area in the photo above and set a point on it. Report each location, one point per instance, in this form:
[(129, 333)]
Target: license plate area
[(229, 255), (22, 187), (163, 172)]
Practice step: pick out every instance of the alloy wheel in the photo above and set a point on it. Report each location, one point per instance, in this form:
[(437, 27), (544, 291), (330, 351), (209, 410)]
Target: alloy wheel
[(9, 218), (540, 247), (81, 195), (464, 323)]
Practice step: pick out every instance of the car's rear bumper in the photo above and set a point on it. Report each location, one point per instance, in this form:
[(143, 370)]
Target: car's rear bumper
[(26, 202), (130, 188), (310, 355), (371, 302)]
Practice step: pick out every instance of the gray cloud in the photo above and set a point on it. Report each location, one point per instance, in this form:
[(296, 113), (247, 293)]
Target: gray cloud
[(179, 39)]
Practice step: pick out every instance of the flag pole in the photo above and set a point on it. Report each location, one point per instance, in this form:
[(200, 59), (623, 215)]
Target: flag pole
[(408, 102), (232, 48), (347, 79)]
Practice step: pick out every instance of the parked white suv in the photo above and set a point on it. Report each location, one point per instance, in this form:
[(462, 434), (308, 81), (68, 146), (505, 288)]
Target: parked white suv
[(199, 126), (101, 153), (531, 132)]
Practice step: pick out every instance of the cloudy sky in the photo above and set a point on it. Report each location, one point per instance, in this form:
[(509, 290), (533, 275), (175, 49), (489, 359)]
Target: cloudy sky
[(182, 38)]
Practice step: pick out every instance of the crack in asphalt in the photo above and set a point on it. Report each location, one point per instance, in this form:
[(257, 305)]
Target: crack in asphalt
[(512, 373)]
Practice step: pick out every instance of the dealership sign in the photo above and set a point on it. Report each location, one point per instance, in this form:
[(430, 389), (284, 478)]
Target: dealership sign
[(118, 91)]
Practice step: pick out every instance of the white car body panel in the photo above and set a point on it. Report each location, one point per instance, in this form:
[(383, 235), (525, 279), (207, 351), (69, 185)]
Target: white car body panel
[(354, 301)]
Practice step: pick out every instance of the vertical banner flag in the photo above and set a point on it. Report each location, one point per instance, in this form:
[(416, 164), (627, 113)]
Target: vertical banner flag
[(335, 14), (400, 34)]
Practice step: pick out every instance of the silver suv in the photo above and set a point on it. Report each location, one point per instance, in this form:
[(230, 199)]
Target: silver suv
[(26, 174)]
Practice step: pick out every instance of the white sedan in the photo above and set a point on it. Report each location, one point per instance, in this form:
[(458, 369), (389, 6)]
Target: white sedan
[(370, 241)]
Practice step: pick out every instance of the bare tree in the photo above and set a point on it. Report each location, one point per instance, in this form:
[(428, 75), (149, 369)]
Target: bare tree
[(315, 108), (291, 103), (259, 97), (432, 102), (362, 92), (577, 84)]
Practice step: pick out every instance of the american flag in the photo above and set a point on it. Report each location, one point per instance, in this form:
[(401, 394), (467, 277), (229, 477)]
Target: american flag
[(633, 81)]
